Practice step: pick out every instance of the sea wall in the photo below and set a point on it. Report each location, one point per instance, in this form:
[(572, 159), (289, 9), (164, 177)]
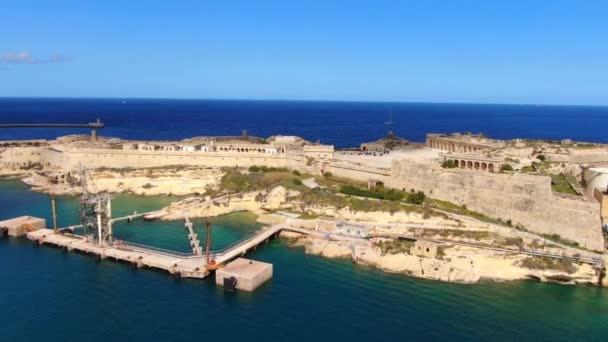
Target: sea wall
[(524, 199)]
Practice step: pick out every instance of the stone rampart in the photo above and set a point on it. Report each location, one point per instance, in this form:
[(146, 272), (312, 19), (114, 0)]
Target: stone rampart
[(69, 158), (524, 199)]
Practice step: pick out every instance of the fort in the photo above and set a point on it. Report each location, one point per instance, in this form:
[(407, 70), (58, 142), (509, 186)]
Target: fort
[(510, 181)]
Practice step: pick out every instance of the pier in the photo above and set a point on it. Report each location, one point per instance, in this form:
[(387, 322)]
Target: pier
[(186, 265)]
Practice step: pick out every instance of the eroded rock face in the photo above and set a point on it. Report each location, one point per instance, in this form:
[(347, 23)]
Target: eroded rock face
[(254, 201), (329, 249), (458, 270)]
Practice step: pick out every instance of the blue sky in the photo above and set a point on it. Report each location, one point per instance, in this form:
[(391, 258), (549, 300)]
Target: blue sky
[(540, 52)]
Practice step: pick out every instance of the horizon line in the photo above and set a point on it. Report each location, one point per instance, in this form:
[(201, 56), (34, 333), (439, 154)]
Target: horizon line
[(301, 100)]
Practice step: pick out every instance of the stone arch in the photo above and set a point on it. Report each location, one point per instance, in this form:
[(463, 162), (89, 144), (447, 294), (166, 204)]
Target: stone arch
[(476, 165), (491, 167), (484, 166), (469, 165), (463, 164)]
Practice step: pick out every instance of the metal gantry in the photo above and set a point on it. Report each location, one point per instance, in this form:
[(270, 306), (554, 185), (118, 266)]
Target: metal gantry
[(95, 212)]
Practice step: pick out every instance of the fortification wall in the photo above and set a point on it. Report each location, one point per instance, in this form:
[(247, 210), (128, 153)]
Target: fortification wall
[(359, 172), (15, 157), (95, 158), (580, 156), (524, 199)]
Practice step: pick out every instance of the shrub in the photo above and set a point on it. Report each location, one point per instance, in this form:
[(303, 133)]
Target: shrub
[(296, 172), (327, 174), (378, 193), (506, 167), (235, 181), (416, 198), (544, 263), (448, 164), (541, 157), (254, 168), (296, 181)]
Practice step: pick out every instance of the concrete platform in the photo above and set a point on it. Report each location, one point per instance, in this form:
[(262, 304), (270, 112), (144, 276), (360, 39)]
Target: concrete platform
[(249, 274), (186, 266), (20, 226)]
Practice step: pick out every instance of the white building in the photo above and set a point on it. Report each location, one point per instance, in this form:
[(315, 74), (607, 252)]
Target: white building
[(187, 148), (146, 147)]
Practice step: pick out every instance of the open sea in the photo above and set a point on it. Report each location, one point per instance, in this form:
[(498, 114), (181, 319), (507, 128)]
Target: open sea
[(50, 295)]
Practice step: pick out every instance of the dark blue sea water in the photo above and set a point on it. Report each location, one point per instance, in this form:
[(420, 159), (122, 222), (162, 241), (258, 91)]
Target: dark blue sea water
[(47, 294), (340, 123)]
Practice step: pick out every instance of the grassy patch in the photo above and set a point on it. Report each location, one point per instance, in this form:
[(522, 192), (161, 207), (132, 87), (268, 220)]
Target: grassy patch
[(559, 183), (557, 238), (395, 246), (381, 193), (457, 233), (527, 168), (324, 197), (234, 181), (544, 263), (334, 182), (463, 210), (308, 216)]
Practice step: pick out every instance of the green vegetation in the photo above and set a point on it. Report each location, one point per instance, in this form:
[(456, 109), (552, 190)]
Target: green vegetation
[(296, 173), (449, 164), (234, 181), (545, 263), (255, 168), (327, 174), (559, 183), (416, 198), (395, 246), (458, 233), (506, 167), (557, 238), (541, 157), (527, 168), (325, 197), (308, 216), (381, 193), (463, 210), (335, 182)]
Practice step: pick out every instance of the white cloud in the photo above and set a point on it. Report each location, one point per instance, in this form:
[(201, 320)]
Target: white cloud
[(25, 57)]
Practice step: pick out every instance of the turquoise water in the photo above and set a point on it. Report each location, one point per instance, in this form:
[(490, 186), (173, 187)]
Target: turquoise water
[(48, 294)]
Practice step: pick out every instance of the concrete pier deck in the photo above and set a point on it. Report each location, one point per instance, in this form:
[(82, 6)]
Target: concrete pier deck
[(180, 264), (186, 266)]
